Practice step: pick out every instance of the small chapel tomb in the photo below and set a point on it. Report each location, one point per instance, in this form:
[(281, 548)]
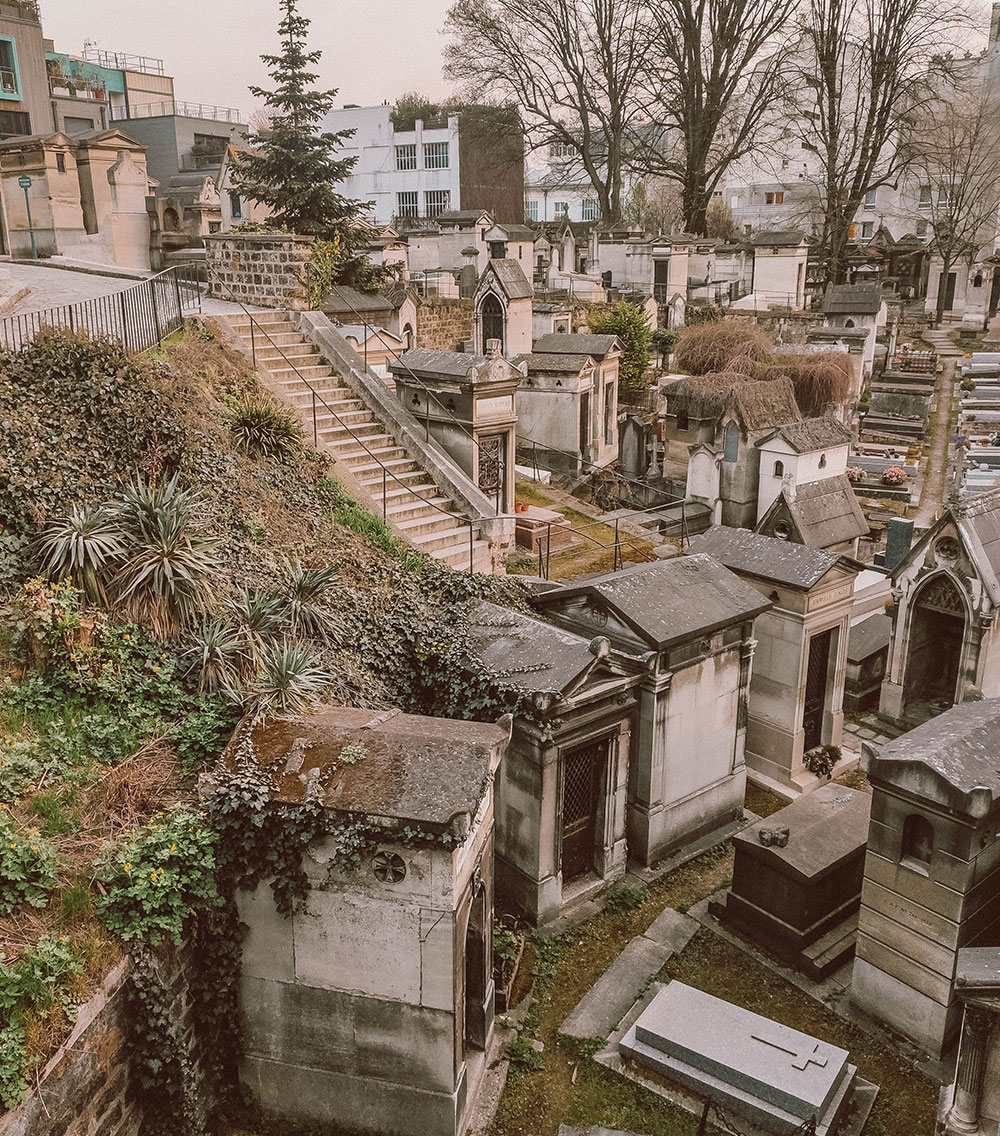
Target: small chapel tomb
[(774, 1076)]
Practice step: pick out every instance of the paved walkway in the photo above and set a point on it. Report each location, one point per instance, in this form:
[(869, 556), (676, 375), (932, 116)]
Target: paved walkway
[(937, 462), (54, 287)]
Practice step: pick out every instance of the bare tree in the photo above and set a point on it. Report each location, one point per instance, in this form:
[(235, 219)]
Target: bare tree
[(655, 206), (869, 65), (953, 152), (572, 68), (716, 71)]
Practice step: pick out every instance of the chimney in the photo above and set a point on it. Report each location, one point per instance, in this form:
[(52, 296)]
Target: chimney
[(898, 539)]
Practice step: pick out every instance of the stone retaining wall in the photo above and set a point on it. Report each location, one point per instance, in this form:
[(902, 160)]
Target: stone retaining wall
[(442, 324), (84, 1089), (263, 269)]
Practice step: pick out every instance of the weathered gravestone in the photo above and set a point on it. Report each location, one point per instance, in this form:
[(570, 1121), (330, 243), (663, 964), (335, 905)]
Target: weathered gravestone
[(774, 1076)]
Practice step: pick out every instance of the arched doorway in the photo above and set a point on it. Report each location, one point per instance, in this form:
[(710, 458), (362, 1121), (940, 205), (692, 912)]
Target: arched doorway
[(493, 319), (934, 652)]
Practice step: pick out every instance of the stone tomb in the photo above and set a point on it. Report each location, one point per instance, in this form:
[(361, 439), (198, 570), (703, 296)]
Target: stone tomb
[(797, 879), (774, 1076)]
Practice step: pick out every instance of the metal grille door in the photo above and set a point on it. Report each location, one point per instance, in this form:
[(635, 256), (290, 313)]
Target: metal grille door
[(581, 779), (816, 676)]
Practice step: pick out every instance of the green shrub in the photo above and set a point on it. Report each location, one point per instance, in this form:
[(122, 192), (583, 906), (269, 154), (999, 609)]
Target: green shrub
[(303, 601), (86, 545), (291, 679), (263, 428), (620, 898), (202, 736), (13, 1083), (519, 1052), (156, 875), (27, 867), (214, 652), (631, 324)]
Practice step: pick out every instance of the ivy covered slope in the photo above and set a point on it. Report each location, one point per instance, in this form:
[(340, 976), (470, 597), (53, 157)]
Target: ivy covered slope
[(171, 558)]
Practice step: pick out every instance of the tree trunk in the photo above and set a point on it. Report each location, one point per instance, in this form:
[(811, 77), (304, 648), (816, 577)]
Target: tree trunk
[(946, 263)]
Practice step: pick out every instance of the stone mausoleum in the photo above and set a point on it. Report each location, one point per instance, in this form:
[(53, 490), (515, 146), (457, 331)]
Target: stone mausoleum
[(372, 1008)]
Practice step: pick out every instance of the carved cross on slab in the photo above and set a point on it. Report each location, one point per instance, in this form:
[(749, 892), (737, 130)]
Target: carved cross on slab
[(800, 1060)]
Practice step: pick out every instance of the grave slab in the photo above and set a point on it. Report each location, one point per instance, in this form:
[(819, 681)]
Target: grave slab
[(775, 1076)]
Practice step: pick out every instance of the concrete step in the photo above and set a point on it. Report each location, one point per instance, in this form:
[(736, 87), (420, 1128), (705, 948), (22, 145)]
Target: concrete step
[(374, 456), (439, 537), (831, 950), (294, 351), (290, 338), (281, 360), (329, 415), (330, 390), (396, 493), (457, 556), (417, 507), (336, 400), (285, 374), (243, 321), (400, 472)]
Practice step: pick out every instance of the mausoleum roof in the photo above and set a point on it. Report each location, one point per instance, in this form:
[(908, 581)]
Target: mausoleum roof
[(766, 557), (961, 746), (853, 299), (868, 636), (823, 513), (407, 766), (811, 434), (552, 361), (511, 278), (575, 343)]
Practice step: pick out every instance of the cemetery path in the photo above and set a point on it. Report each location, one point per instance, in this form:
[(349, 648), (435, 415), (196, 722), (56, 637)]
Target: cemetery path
[(937, 458)]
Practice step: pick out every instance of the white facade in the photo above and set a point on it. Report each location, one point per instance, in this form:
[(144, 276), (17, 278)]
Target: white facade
[(781, 467), (555, 188), (410, 173)]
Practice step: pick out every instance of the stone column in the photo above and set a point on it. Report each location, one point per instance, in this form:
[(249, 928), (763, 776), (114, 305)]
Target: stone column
[(972, 1056)]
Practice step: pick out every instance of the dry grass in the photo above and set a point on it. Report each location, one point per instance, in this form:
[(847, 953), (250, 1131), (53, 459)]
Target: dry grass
[(820, 380), (758, 402), (730, 345)]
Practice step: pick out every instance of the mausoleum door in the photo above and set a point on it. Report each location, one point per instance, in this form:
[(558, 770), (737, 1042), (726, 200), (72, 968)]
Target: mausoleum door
[(581, 792), (493, 469), (934, 651), (817, 672), (476, 964)]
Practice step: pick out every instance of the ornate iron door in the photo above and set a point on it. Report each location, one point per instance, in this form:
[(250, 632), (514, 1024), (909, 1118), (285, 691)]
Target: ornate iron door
[(816, 675), (493, 468), (581, 783)]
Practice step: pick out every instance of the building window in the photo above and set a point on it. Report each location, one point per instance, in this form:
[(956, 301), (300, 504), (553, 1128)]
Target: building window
[(921, 228), (731, 451), (493, 321), (977, 280), (437, 201), (561, 150), (435, 155), (215, 226), (10, 81), (776, 198), (531, 210), (407, 204), (925, 195), (682, 420), (779, 469), (13, 122), (870, 198), (235, 206), (562, 209), (867, 230), (61, 163), (918, 842), (590, 209), (944, 195), (498, 250), (406, 157)]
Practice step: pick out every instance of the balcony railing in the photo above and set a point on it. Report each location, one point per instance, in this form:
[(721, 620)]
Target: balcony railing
[(182, 110), (122, 61)]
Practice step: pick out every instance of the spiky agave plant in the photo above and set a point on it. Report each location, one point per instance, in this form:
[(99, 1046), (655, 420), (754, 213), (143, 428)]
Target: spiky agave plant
[(214, 652), (261, 427), (291, 679), (87, 543), (259, 620), (165, 577), (304, 599)]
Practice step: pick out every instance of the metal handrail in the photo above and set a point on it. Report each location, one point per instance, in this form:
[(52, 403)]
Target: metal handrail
[(386, 472)]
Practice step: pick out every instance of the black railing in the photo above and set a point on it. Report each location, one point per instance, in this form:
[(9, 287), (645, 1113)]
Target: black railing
[(139, 317)]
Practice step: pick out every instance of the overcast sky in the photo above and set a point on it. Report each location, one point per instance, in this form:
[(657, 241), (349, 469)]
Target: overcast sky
[(372, 49)]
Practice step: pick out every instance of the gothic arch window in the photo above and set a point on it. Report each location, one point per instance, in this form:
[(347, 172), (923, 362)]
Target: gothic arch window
[(918, 842), (977, 281), (493, 320), (732, 443), (407, 336), (779, 469)]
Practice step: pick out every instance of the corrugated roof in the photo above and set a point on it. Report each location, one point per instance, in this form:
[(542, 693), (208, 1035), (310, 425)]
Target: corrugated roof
[(669, 601), (413, 767), (811, 434), (766, 557), (575, 343)]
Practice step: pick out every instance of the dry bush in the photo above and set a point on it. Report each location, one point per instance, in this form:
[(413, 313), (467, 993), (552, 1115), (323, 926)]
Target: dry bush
[(138, 786), (731, 344), (819, 379)]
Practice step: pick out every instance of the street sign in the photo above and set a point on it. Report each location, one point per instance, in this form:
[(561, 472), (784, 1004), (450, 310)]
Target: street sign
[(24, 181)]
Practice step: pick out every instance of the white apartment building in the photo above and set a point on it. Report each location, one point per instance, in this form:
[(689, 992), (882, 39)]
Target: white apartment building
[(404, 174)]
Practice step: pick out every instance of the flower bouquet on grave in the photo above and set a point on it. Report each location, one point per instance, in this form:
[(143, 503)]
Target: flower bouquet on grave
[(894, 475)]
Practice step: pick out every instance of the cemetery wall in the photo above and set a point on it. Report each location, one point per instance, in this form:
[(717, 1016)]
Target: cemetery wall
[(444, 323), (263, 269)]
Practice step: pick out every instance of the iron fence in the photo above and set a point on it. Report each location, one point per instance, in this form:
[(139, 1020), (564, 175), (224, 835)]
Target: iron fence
[(139, 317)]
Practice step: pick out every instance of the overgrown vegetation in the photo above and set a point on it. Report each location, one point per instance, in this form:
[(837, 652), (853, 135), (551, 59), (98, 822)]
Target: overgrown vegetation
[(631, 324)]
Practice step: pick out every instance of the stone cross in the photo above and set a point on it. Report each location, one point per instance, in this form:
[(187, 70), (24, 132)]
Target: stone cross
[(800, 1060)]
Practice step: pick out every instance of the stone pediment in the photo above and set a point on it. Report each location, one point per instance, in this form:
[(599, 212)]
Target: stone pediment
[(946, 548)]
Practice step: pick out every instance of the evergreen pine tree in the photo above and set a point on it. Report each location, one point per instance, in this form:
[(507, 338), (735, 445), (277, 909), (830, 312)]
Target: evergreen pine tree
[(291, 166)]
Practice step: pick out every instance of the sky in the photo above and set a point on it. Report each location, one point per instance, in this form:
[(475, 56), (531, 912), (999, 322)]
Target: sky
[(373, 50)]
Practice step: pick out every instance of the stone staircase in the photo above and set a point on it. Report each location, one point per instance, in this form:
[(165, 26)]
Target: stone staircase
[(359, 442)]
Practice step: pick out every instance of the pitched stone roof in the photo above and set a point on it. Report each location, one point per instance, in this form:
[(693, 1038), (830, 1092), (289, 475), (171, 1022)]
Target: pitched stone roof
[(960, 746), (576, 343), (852, 299), (516, 232), (511, 278), (824, 513), (552, 362), (766, 557), (429, 361), (779, 238), (413, 768), (758, 403), (978, 520), (529, 654), (812, 434), (669, 601), (868, 636), (342, 300)]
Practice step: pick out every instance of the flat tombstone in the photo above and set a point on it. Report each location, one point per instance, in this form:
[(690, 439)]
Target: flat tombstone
[(738, 1057)]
